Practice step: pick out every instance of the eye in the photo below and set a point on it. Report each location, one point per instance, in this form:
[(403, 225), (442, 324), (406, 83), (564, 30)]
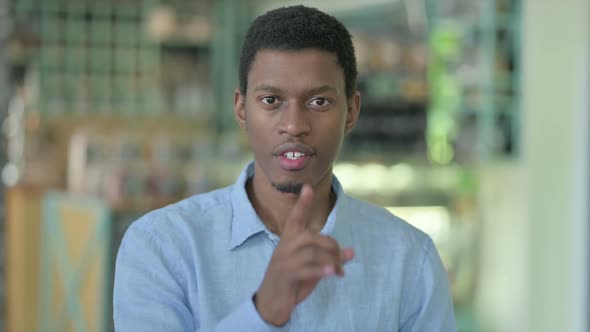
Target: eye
[(269, 100), (320, 102)]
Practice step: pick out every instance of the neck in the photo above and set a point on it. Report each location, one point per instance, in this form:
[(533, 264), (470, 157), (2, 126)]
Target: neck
[(274, 207)]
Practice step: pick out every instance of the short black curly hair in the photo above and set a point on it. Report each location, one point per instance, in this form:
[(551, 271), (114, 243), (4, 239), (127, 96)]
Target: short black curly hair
[(297, 28)]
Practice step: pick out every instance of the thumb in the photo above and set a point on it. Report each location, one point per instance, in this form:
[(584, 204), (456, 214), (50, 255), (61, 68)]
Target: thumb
[(299, 217)]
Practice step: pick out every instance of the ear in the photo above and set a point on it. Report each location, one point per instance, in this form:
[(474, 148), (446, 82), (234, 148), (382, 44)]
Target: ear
[(240, 108), (354, 108)]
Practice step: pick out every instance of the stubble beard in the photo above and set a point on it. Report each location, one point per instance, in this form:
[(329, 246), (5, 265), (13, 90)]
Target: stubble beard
[(288, 188)]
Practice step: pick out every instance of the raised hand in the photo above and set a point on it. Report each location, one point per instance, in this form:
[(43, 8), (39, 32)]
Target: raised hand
[(300, 260)]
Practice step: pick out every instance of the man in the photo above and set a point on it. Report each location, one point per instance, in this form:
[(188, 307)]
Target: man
[(284, 248)]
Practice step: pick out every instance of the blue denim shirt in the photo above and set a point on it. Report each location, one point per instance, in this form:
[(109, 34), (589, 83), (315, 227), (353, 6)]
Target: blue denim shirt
[(195, 265)]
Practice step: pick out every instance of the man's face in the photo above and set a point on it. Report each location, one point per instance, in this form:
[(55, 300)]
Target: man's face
[(296, 115)]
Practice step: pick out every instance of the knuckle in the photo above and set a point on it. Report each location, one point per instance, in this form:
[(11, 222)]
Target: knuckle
[(333, 242), (306, 236), (310, 254), (328, 243), (333, 249)]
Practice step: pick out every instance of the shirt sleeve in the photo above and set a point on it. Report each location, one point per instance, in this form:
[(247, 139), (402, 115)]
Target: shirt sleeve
[(246, 318), (149, 294), (429, 306)]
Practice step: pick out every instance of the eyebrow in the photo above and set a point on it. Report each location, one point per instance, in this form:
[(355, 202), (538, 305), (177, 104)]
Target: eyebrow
[(276, 90), (322, 89), (269, 88)]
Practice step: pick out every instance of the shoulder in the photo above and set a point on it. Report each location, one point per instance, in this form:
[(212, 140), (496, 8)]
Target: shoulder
[(387, 240), (379, 223), (185, 219)]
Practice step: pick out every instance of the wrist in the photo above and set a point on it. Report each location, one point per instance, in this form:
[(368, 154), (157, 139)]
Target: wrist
[(274, 317)]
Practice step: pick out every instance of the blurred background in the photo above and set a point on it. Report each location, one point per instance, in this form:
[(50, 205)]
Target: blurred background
[(474, 127)]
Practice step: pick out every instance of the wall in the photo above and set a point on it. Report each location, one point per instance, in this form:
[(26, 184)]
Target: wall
[(502, 293), (535, 233), (556, 37)]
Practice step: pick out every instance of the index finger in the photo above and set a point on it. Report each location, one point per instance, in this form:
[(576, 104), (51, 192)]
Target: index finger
[(299, 217)]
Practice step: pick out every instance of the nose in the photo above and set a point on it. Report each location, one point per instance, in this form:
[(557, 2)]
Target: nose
[(295, 120)]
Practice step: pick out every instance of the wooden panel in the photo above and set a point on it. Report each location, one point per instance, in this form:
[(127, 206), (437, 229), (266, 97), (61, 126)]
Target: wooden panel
[(23, 228), (75, 262)]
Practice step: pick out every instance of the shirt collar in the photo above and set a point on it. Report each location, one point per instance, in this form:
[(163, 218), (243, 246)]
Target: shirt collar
[(245, 221)]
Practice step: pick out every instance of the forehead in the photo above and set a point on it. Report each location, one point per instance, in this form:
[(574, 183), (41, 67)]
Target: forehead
[(296, 69)]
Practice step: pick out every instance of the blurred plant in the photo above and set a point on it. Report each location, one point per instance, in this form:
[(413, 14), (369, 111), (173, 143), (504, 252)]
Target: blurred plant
[(445, 92)]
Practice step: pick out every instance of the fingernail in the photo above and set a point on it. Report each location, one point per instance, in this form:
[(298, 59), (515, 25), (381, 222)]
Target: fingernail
[(328, 270)]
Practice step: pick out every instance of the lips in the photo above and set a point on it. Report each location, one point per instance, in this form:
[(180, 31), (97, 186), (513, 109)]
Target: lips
[(293, 156)]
